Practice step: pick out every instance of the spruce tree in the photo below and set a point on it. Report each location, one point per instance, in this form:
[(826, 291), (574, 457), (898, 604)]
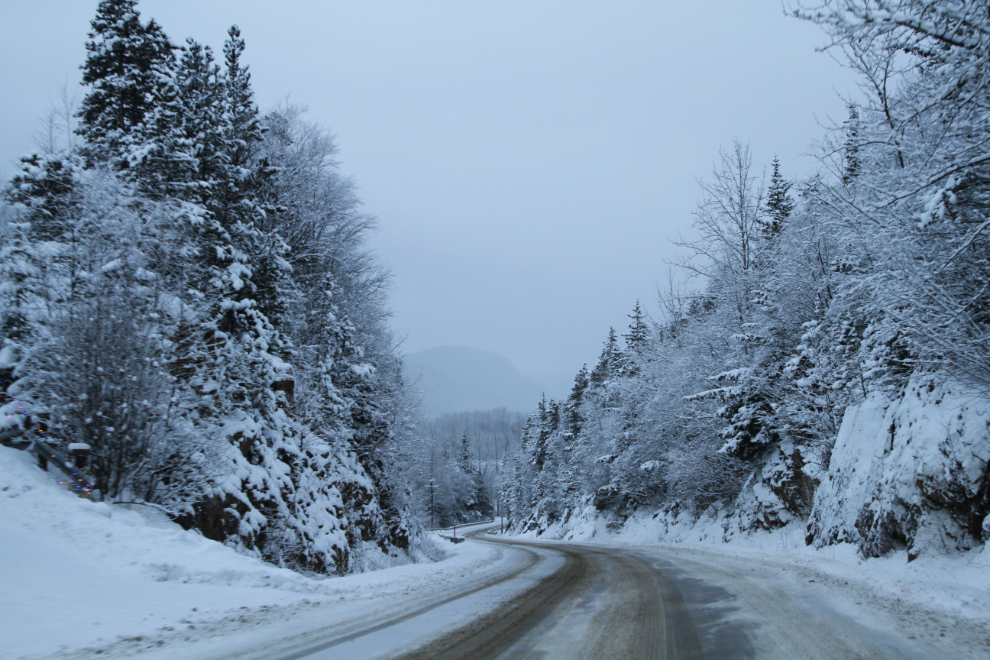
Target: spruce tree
[(573, 416), (245, 132), (253, 177), (779, 204), (609, 362), (638, 333), (204, 127), (177, 148), (637, 340), (539, 436), (124, 64), (233, 344), (851, 146)]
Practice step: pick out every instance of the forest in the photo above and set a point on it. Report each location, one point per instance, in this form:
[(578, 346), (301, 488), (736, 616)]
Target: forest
[(823, 354), (463, 461), (186, 292)]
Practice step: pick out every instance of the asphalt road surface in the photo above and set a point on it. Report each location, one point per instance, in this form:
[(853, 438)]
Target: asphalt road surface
[(599, 604), (594, 602)]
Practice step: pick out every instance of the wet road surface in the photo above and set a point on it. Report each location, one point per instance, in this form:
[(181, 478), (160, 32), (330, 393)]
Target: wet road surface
[(600, 604), (574, 601)]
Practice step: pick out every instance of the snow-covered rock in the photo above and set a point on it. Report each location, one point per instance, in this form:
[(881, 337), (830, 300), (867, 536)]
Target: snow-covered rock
[(908, 471), (775, 495)]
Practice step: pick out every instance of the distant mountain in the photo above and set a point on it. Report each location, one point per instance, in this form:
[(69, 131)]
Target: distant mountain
[(458, 379)]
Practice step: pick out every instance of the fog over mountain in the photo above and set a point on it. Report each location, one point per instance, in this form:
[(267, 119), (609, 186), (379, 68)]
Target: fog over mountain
[(460, 379)]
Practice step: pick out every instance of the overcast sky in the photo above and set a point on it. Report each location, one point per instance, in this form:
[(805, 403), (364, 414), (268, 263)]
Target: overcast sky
[(528, 161)]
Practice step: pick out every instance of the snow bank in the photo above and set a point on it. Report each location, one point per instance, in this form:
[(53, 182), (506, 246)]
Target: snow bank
[(74, 571), (78, 576)]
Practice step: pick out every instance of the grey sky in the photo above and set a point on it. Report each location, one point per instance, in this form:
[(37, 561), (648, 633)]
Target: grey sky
[(527, 161)]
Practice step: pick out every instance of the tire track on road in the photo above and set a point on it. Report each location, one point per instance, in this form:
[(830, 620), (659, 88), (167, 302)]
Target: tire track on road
[(493, 633), (533, 559), (631, 610)]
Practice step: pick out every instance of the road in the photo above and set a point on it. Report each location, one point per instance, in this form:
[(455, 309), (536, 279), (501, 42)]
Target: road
[(584, 601), (600, 604)]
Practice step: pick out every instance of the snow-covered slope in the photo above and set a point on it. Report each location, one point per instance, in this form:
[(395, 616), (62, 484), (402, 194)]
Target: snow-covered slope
[(909, 472), (74, 571), (78, 576)]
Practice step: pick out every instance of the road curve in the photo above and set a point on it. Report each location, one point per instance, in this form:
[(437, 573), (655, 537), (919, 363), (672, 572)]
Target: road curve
[(574, 601), (599, 604)]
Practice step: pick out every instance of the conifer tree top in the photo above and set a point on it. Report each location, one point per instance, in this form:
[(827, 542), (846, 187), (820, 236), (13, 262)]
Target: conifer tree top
[(124, 61), (779, 204), (638, 331)]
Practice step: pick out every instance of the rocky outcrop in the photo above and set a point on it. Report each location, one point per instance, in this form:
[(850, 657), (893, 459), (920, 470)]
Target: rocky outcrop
[(908, 471)]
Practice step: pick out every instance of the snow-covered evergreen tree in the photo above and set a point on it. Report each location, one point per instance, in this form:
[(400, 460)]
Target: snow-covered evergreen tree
[(190, 296), (779, 204), (124, 65)]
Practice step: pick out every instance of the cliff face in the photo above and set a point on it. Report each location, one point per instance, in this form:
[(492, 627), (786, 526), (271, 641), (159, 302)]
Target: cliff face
[(910, 471)]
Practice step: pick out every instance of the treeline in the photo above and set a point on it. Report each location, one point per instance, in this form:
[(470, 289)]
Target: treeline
[(458, 465), (185, 289), (869, 281)]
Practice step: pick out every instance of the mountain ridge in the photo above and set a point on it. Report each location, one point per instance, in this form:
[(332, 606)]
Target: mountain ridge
[(456, 379)]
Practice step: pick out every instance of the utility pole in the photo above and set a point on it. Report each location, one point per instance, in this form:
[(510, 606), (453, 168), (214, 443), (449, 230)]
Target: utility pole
[(432, 504), (498, 486)]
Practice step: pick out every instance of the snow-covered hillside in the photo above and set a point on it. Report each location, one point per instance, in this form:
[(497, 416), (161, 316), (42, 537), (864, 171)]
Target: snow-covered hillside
[(76, 574), (222, 356), (823, 350), (909, 472)]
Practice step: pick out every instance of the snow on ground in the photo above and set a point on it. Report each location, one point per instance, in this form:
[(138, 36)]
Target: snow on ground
[(79, 577), (943, 599)]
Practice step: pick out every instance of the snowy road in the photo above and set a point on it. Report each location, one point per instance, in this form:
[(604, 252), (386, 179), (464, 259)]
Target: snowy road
[(599, 604), (586, 601), (81, 580)]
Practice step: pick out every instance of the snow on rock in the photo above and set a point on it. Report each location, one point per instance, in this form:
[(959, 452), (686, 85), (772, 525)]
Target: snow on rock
[(775, 495), (909, 471)]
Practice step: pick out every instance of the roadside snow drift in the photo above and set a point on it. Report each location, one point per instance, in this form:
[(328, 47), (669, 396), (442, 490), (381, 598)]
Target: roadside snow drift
[(79, 577)]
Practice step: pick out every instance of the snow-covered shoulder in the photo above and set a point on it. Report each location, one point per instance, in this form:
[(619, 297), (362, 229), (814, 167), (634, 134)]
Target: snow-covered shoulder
[(941, 599), (79, 576)]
